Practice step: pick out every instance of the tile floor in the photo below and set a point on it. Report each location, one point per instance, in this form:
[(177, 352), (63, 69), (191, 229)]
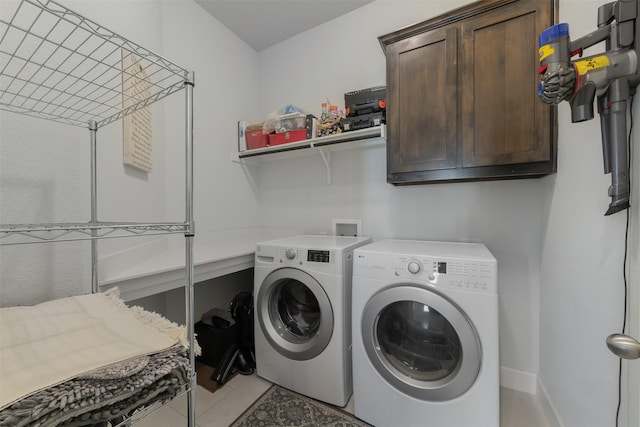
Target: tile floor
[(221, 408)]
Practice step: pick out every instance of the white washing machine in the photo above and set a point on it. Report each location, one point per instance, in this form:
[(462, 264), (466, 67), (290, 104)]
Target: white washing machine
[(425, 334), (302, 292)]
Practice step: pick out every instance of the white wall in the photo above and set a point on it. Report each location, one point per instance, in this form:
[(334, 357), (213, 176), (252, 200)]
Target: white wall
[(507, 216), (581, 288), (226, 83), (45, 178), (632, 367), (559, 258), (44, 166), (31, 195)]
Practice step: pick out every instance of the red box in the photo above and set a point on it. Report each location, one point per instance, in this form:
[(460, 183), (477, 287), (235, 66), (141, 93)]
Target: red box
[(256, 138), (286, 137)]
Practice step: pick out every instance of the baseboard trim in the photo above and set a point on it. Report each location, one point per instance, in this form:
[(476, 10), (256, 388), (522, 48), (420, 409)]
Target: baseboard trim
[(518, 380), (547, 406), (530, 383)]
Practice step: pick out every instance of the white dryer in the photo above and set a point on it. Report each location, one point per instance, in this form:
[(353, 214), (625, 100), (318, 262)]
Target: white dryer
[(302, 292), (425, 334)]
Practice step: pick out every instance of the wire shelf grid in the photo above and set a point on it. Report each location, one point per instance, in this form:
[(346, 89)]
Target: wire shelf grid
[(58, 65), (12, 234)]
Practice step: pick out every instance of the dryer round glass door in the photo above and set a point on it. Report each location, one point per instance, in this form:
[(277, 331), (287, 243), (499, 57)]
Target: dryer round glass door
[(294, 313), (421, 342)]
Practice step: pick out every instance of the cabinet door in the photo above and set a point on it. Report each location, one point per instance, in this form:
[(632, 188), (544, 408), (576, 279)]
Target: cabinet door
[(503, 121), (422, 104)]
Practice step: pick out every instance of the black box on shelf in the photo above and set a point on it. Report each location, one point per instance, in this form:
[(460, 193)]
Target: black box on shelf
[(363, 121), (365, 101)]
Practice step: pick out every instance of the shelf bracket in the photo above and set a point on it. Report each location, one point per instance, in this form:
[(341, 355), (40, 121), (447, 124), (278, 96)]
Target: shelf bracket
[(246, 166), (326, 158)]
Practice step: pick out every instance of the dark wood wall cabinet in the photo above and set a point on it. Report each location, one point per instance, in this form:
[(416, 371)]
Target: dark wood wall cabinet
[(462, 98)]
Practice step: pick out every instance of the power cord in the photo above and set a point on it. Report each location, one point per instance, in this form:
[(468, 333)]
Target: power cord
[(624, 259)]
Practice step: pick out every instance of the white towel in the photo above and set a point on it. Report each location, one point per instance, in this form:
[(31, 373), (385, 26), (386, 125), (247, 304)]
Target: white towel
[(55, 341)]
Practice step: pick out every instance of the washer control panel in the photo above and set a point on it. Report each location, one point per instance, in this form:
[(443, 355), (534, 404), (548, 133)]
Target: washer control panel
[(310, 255), (315, 259), (318, 256), (314, 254), (414, 267), (291, 253)]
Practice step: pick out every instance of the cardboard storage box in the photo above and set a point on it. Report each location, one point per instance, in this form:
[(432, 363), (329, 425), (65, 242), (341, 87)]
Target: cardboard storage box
[(255, 137), (286, 137)]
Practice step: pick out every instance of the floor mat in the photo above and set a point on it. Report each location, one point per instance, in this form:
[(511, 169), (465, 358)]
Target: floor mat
[(281, 407)]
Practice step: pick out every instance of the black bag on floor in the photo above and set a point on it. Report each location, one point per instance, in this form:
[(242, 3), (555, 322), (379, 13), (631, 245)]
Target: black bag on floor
[(217, 332), (240, 355), (241, 309)]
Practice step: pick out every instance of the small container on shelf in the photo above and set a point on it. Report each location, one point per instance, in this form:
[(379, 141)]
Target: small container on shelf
[(330, 122), (286, 137), (289, 122), (255, 136)]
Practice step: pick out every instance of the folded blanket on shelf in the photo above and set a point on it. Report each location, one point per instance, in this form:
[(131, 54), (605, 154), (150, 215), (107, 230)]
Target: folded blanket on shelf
[(52, 342), (103, 394)]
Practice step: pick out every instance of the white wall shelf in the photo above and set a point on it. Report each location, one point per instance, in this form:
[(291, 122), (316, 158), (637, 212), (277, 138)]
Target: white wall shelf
[(323, 146)]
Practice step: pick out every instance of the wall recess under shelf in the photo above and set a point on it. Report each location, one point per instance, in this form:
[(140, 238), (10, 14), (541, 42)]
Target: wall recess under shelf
[(323, 145)]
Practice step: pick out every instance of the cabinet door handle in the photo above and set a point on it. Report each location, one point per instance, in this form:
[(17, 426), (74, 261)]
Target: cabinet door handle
[(624, 346)]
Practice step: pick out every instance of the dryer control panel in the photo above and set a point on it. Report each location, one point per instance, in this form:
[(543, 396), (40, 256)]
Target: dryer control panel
[(464, 273)]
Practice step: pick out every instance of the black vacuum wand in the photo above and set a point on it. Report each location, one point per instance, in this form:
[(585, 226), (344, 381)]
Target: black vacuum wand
[(612, 76)]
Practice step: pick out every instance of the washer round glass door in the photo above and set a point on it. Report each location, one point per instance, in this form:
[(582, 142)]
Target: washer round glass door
[(421, 342), (294, 313)]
